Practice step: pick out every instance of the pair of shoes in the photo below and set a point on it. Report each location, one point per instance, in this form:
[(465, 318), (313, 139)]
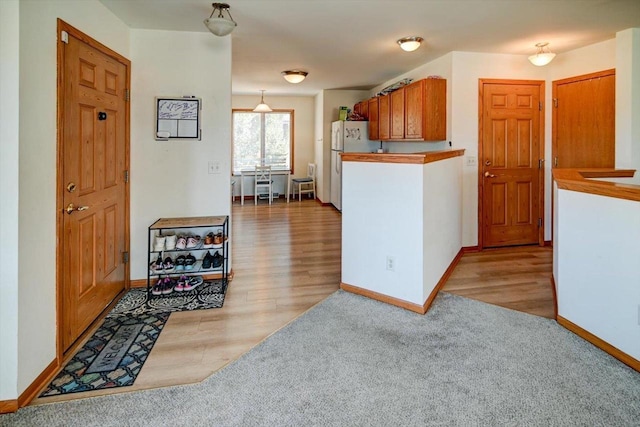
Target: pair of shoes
[(159, 265), (164, 286), (189, 262)]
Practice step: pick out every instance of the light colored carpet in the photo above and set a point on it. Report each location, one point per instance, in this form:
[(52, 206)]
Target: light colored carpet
[(351, 361)]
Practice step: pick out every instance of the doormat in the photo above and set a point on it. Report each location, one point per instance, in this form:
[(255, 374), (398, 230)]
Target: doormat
[(116, 352)]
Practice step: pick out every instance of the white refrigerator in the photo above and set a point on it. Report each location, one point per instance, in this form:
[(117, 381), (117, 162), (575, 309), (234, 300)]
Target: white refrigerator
[(346, 137)]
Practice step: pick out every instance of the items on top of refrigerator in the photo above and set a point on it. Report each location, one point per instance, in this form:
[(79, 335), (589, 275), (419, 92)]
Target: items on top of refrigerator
[(343, 113)]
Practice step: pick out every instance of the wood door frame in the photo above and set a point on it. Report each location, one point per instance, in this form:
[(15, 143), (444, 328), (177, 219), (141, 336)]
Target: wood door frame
[(60, 184), (541, 85), (554, 97)]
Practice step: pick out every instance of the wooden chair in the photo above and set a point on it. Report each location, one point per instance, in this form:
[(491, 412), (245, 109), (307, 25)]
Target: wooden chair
[(307, 184), (263, 180)]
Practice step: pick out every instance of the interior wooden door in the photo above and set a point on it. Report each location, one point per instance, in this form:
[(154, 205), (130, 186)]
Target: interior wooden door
[(583, 134), (510, 181), (94, 197)]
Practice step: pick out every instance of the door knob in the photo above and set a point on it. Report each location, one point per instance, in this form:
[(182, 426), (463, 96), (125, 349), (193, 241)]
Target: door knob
[(70, 208), (71, 187), (489, 175), (488, 163)]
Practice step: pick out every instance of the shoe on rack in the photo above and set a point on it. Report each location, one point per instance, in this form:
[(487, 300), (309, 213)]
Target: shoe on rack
[(207, 261), (170, 242), (168, 264), (193, 282), (157, 288), (218, 239), (158, 243), (217, 260), (167, 286), (193, 242), (208, 240), (158, 264), (182, 281), (189, 262), (180, 263), (181, 242)]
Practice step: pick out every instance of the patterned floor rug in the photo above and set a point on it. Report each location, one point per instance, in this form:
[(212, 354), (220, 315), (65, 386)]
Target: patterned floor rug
[(116, 352)]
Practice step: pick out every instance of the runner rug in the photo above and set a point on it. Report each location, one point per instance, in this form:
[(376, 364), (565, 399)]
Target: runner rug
[(116, 352)]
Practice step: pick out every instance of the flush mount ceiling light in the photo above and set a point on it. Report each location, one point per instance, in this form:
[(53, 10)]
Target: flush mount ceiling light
[(262, 107), (220, 26), (409, 44), (543, 56), (294, 76)]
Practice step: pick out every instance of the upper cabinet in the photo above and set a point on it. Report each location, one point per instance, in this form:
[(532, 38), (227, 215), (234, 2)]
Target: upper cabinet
[(416, 112)]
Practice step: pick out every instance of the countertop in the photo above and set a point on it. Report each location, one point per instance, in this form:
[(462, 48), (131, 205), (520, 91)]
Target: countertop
[(408, 158)]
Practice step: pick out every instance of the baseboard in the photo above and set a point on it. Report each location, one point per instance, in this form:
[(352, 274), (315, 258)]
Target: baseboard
[(601, 344), (8, 406), (322, 203), (548, 243), (42, 380), (470, 249), (382, 298), (555, 297), (142, 283), (443, 280)]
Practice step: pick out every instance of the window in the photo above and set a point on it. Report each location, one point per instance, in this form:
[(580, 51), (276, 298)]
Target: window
[(262, 139)]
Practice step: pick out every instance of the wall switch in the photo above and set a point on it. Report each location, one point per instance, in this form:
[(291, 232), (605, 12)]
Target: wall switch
[(391, 263), (472, 161), (214, 167)]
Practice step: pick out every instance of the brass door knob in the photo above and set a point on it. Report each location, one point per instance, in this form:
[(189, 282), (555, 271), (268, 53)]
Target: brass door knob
[(70, 208), (489, 175)]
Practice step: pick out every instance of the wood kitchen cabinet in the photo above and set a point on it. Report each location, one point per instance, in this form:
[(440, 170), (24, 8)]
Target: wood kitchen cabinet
[(384, 117), (364, 109), (413, 103), (373, 119), (397, 114)]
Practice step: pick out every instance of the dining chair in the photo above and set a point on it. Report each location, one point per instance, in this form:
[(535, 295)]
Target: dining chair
[(263, 181), (306, 184)]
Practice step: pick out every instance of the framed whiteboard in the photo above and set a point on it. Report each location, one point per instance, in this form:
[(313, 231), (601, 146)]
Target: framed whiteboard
[(178, 118)]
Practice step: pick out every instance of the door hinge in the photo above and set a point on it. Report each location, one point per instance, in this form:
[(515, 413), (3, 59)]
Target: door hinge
[(64, 37), (126, 177), (540, 105), (540, 163), (125, 257), (555, 162), (127, 95), (539, 222), (555, 102)]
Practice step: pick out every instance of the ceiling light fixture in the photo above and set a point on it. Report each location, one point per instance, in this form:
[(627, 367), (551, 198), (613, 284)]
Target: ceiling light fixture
[(294, 76), (542, 57), (220, 26), (262, 107), (409, 44)]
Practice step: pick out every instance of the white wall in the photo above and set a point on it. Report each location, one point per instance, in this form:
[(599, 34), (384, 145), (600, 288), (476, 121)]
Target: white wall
[(171, 179), (303, 137), (9, 159), (318, 146), (596, 268), (332, 101), (37, 205)]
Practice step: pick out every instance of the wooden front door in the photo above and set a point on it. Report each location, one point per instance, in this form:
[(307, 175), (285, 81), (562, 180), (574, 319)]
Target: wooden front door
[(93, 150), (584, 133), (510, 153)]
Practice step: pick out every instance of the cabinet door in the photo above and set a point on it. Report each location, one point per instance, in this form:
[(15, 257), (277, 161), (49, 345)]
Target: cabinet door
[(356, 108), (397, 114), (384, 117), (434, 122), (364, 109), (413, 104), (373, 119)]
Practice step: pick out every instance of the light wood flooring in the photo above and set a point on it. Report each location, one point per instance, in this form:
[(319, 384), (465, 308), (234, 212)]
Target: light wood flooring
[(286, 258)]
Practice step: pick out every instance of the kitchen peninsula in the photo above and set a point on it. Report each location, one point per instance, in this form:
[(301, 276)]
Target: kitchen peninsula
[(401, 224)]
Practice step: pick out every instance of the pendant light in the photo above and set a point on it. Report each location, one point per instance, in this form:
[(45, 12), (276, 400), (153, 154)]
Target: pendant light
[(262, 107), (220, 26), (409, 44), (294, 76), (542, 57)]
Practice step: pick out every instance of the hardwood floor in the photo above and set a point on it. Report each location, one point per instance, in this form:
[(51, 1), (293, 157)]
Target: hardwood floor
[(518, 278), (286, 258)]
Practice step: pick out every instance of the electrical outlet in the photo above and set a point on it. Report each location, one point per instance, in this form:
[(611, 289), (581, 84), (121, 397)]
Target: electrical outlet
[(214, 168), (391, 263), (472, 161)]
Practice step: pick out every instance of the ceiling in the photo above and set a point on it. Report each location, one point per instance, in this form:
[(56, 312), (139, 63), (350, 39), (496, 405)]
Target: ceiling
[(351, 44)]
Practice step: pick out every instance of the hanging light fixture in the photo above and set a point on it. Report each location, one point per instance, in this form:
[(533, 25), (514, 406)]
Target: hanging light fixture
[(409, 44), (220, 26), (294, 76), (542, 56), (262, 107)]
